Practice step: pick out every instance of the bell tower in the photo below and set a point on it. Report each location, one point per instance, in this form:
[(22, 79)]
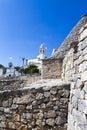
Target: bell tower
[(42, 51)]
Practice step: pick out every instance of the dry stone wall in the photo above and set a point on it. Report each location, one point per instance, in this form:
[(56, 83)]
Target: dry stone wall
[(77, 110), (68, 67), (9, 83), (44, 108), (51, 68)]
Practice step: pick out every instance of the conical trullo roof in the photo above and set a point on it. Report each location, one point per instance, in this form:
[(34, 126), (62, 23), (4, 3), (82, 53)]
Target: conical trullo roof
[(72, 37)]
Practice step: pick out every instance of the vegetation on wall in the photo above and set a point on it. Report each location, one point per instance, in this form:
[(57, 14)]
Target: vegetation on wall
[(31, 69)]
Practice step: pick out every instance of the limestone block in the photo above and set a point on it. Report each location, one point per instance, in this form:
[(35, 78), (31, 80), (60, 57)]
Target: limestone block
[(55, 108), (29, 116), (24, 99), (65, 94), (71, 122), (14, 106), (46, 94), (43, 105), (77, 126), (5, 103), (11, 125), (53, 91), (84, 44), (83, 35), (85, 51), (34, 103), (79, 84), (23, 127), (51, 113), (16, 117), (59, 120), (2, 118), (1, 109), (81, 59), (85, 57), (75, 56), (34, 129), (29, 107), (84, 76), (86, 96), (83, 66), (23, 115), (40, 122), (85, 87), (75, 62), (75, 102), (2, 125), (80, 46), (39, 96), (7, 110), (78, 116), (14, 100), (38, 115), (70, 107), (82, 106), (50, 121), (73, 85), (81, 126), (21, 107), (82, 94)]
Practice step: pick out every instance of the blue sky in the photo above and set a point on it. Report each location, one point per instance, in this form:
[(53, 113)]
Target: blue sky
[(25, 24)]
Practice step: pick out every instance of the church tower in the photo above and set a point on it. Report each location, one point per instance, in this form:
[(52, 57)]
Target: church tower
[(42, 52)]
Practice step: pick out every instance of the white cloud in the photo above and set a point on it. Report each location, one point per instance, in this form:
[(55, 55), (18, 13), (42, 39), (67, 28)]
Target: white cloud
[(10, 58)]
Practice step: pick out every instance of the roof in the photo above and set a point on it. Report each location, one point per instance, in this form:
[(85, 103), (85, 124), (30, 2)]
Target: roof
[(72, 37)]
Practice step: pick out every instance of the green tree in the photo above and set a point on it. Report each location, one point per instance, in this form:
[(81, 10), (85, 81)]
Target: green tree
[(18, 68), (31, 69), (3, 67), (21, 70)]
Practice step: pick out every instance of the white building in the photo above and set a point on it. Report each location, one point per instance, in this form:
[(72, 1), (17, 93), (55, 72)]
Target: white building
[(11, 72), (38, 60)]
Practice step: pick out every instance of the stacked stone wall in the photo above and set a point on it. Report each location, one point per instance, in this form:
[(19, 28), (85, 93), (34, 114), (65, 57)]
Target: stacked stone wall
[(9, 83), (51, 68), (68, 67), (77, 110), (44, 108)]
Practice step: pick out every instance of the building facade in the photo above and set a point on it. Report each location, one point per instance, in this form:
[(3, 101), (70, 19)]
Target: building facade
[(38, 60)]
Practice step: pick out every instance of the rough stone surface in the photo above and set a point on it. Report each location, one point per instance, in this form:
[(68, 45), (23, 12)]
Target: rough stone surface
[(51, 68), (18, 82), (75, 71), (44, 107)]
